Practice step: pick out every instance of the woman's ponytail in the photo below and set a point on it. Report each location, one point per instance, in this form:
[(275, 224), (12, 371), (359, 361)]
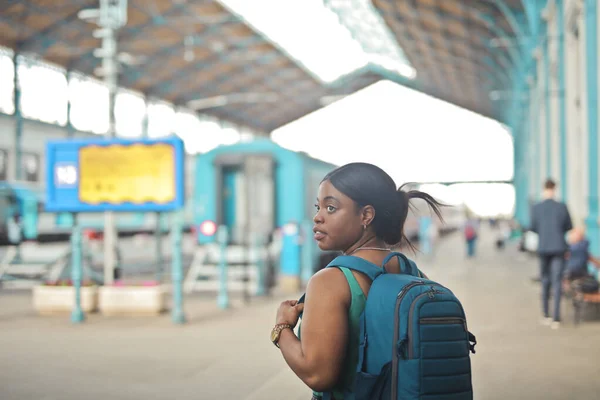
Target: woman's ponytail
[(405, 198)]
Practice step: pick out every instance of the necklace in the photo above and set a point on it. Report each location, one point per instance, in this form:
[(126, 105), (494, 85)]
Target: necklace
[(367, 248)]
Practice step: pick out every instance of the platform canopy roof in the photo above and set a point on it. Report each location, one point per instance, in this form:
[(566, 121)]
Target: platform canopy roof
[(209, 55), (476, 54), (201, 54)]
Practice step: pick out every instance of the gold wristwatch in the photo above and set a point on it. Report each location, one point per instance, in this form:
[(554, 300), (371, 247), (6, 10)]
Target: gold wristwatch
[(276, 332)]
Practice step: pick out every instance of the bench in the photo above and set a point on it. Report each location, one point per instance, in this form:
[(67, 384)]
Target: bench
[(582, 300)]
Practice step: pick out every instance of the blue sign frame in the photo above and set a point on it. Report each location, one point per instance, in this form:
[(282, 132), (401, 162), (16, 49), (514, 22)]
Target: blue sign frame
[(62, 176)]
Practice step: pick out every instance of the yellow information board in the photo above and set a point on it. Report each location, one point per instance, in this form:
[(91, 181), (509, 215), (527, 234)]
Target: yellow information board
[(137, 173)]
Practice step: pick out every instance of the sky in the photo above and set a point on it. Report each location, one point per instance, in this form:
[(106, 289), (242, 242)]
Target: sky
[(412, 135), (415, 138)]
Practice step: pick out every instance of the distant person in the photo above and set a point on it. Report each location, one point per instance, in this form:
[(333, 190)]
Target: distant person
[(578, 257), (550, 219), (471, 235), (503, 235)]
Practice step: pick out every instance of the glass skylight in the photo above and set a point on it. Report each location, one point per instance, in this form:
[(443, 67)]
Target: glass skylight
[(323, 43), (370, 30)]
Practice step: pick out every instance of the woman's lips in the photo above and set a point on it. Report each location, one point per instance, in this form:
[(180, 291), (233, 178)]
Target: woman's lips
[(319, 235)]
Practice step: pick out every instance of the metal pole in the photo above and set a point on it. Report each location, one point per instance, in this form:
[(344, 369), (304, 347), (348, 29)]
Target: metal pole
[(223, 297), (145, 120), (70, 128), (159, 215), (178, 316), (76, 271), (159, 252), (562, 100), (591, 38), (110, 69), (18, 147), (18, 120), (259, 261)]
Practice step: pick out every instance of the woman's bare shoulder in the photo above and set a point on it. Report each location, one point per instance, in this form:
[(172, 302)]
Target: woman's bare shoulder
[(331, 280)]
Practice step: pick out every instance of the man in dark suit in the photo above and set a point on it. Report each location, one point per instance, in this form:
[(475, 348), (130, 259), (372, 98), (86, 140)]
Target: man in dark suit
[(550, 219)]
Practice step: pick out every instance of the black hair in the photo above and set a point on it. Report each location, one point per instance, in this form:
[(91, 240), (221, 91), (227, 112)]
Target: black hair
[(368, 184)]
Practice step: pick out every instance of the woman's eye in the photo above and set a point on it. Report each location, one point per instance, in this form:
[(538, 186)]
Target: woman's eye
[(317, 207), (330, 209)]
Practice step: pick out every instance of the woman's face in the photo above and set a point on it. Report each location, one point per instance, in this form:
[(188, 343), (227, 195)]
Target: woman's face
[(338, 222)]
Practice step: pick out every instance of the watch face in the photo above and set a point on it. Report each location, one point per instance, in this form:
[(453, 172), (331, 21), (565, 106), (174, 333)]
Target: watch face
[(274, 335)]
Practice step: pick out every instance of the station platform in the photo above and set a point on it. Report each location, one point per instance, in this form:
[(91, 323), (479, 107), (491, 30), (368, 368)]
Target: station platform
[(228, 355)]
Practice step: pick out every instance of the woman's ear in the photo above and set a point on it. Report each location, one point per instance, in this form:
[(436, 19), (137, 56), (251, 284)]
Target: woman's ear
[(368, 215)]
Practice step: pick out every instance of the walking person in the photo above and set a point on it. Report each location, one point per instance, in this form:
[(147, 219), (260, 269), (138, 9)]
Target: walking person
[(550, 219), (471, 235)]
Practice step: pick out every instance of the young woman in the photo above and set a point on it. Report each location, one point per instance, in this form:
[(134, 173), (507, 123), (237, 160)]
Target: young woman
[(359, 212)]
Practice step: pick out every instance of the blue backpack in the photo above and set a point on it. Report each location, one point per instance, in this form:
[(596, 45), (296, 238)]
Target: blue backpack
[(414, 338)]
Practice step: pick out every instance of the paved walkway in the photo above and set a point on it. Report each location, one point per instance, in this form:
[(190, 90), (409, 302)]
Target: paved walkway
[(228, 355)]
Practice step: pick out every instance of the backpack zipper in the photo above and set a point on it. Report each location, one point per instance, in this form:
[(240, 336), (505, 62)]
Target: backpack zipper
[(442, 321), (395, 347), (431, 294)]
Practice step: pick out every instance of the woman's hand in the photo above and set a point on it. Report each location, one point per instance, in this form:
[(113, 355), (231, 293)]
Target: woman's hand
[(289, 312)]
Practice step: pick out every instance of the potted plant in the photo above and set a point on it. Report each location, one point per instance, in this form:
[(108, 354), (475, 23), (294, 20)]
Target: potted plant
[(55, 297), (144, 298)]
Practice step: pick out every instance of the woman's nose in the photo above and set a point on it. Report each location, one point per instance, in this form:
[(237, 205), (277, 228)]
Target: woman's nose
[(318, 218)]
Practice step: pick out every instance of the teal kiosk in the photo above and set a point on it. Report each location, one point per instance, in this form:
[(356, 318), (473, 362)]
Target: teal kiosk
[(120, 176)]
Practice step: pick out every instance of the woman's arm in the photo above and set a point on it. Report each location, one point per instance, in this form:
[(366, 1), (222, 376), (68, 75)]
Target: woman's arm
[(318, 358)]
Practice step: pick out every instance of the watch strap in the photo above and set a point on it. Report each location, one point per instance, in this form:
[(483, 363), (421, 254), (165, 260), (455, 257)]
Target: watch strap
[(278, 329)]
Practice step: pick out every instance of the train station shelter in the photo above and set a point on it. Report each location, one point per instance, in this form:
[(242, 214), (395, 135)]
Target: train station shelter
[(529, 64)]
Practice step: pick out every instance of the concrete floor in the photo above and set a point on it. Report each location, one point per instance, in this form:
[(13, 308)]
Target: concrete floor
[(228, 355)]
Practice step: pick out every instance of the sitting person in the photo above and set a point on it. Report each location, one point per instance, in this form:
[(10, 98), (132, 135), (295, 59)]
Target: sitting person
[(578, 258)]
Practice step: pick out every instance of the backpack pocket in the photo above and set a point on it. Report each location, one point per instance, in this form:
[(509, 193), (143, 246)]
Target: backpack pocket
[(444, 352), (373, 387)]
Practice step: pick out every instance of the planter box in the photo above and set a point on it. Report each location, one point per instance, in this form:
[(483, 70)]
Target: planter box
[(132, 300), (48, 300)]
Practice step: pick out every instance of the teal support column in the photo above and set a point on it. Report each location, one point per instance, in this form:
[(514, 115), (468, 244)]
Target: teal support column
[(223, 297), (177, 314), (591, 55), (562, 99), (159, 252), (18, 121), (535, 140), (259, 260), (547, 107), (520, 176), (517, 162), (76, 270), (525, 164)]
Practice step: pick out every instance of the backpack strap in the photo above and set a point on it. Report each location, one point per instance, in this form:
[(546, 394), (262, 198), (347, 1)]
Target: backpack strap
[(357, 264), (406, 266)]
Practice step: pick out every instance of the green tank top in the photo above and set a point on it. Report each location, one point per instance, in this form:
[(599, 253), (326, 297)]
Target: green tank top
[(357, 305)]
